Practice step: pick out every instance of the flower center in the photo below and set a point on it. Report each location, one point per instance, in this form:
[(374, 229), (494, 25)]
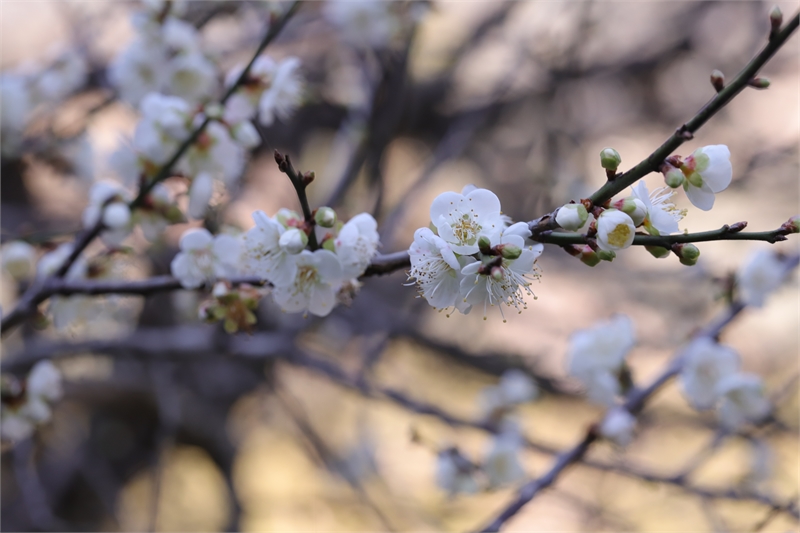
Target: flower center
[(619, 235), (466, 230), (306, 277)]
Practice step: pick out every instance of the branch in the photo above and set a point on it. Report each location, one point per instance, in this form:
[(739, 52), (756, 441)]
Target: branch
[(634, 403)]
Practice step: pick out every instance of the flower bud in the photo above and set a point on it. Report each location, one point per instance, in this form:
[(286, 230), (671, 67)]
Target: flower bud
[(572, 217), (19, 259), (116, 215), (673, 178), (497, 274), (688, 253), (718, 80), (634, 208), (615, 230), (657, 251), (325, 217), (759, 83), (610, 159), (589, 257), (606, 255), (329, 244), (509, 251), (775, 19), (288, 218), (793, 224), (484, 245), (293, 240)]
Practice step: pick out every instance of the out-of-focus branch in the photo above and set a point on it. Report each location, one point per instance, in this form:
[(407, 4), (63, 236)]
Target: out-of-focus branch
[(634, 403)]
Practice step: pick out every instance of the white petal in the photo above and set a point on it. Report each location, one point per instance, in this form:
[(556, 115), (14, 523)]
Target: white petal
[(196, 239), (701, 198)]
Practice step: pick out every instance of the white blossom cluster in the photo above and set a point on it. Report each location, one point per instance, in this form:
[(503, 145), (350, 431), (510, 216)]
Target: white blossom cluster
[(277, 250), (711, 377), (26, 407), (703, 174), (471, 256), (501, 464), (29, 87), (165, 56)]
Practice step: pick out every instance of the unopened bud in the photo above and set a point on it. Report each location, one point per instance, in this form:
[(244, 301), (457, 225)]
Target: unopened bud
[(308, 177), (688, 253), (634, 208), (325, 217), (718, 80), (116, 215), (657, 251), (509, 251), (329, 245), (589, 257), (775, 20), (293, 240), (792, 225), (610, 159), (759, 83), (287, 218), (674, 178), (497, 274), (606, 255), (572, 217), (484, 245)]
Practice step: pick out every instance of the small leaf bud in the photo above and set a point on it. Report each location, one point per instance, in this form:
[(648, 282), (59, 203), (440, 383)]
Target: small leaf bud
[(775, 20), (759, 83), (792, 225), (610, 159), (606, 255), (293, 240), (674, 178), (572, 217), (509, 251), (325, 217), (718, 80), (688, 253), (657, 251)]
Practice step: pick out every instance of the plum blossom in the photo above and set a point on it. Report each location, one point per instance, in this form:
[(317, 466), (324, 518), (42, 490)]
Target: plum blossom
[(463, 219), (597, 355), (315, 283), (572, 217), (356, 244), (263, 255), (502, 464), (140, 69), (164, 125), (706, 363), (21, 416), (708, 171), (615, 230), (273, 89), (762, 274), (661, 216), (455, 473), (215, 152), (742, 400), (283, 95), (19, 259), (437, 271), (64, 76), (200, 193), (204, 258), (109, 202), (157, 212), (515, 387), (618, 426)]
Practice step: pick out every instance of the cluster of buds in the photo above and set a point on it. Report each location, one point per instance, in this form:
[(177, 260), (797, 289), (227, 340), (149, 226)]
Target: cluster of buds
[(233, 306)]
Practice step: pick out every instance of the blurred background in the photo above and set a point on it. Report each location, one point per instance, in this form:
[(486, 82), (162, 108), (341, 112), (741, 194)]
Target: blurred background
[(169, 424)]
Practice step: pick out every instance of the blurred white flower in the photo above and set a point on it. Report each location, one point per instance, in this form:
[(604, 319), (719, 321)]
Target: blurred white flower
[(164, 125), (214, 152), (356, 244), (17, 106), (52, 261), (363, 23), (502, 464), (65, 75), (200, 193), (283, 95), (140, 69), (742, 400), (109, 201), (263, 255), (761, 274), (515, 387), (455, 473), (618, 426), (706, 363), (708, 171), (43, 386), (19, 259), (315, 283), (204, 258), (192, 77)]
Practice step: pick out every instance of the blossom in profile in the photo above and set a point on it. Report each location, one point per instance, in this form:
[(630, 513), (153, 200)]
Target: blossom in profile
[(708, 171), (356, 244), (661, 216)]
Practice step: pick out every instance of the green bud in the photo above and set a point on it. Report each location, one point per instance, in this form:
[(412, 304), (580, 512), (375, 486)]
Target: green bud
[(509, 251), (590, 258), (610, 159), (484, 245), (174, 215), (606, 255), (759, 83), (329, 245), (776, 19), (674, 178), (694, 179), (325, 217), (794, 224), (689, 253), (657, 251)]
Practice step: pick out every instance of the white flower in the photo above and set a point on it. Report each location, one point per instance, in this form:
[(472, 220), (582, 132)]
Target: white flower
[(615, 230), (463, 219), (284, 94), (357, 244), (67, 74), (618, 426), (140, 69), (314, 287), (44, 381), (43, 385), (515, 387), (200, 194), (708, 171), (503, 281), (164, 125), (245, 134), (109, 201), (762, 464), (192, 77), (52, 261), (363, 23), (454, 473), (203, 258), (125, 163), (155, 217), (572, 217), (706, 363), (597, 354), (215, 152), (19, 259), (762, 274), (437, 271), (180, 36), (742, 400), (661, 216), (293, 240), (502, 465), (263, 255)]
